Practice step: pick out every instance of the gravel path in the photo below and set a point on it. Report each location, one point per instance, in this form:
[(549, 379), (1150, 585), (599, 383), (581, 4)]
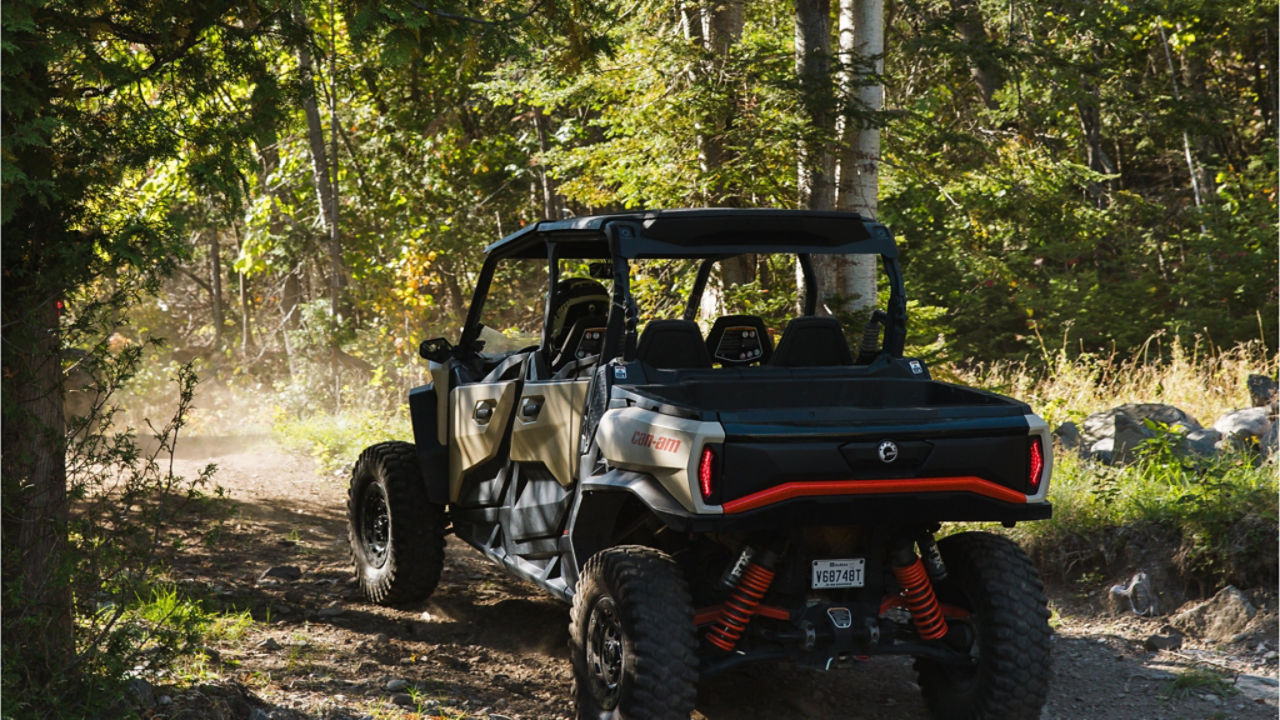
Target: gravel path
[(487, 646)]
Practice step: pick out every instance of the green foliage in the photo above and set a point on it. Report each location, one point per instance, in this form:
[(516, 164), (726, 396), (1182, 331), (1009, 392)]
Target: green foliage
[(1198, 681), (335, 440), (1024, 225), (1223, 511)]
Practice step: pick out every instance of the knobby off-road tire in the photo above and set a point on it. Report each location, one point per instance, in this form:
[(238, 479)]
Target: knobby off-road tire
[(631, 638), (991, 577), (396, 534)]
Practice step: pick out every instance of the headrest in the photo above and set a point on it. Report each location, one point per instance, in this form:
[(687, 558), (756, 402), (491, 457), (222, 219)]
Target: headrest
[(737, 340), (672, 344)]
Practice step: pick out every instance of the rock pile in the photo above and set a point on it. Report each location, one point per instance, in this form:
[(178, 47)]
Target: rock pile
[(1113, 436)]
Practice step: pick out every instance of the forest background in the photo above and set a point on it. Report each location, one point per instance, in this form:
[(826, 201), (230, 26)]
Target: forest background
[(1067, 177)]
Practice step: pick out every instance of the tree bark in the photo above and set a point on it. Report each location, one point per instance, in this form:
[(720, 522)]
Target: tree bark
[(246, 318), (716, 27), (319, 157), (861, 28), (816, 167), (215, 288), (37, 596), (722, 24), (550, 204), (982, 63)]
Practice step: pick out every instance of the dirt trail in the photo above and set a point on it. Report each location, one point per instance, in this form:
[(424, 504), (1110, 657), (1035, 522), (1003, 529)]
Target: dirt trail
[(488, 646)]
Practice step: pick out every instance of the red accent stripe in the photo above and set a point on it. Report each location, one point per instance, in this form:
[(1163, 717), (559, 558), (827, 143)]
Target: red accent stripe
[(787, 491)]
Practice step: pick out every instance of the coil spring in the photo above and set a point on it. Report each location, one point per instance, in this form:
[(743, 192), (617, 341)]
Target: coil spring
[(740, 606), (917, 593)]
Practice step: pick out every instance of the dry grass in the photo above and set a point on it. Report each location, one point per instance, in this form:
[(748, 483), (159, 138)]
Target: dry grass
[(1201, 380)]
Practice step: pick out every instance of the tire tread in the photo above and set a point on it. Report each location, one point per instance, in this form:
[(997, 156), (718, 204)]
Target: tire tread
[(416, 556)]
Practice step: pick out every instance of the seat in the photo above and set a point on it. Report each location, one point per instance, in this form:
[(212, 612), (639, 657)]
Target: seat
[(811, 341), (585, 338), (673, 344), (739, 340), (573, 299)]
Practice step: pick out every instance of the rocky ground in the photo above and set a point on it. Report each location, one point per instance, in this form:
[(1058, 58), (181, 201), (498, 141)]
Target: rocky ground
[(487, 646)]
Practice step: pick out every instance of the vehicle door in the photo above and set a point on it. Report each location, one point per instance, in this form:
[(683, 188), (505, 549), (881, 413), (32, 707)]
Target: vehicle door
[(482, 401)]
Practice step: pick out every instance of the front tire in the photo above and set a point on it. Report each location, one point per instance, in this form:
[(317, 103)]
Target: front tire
[(1007, 637), (396, 534), (631, 638)]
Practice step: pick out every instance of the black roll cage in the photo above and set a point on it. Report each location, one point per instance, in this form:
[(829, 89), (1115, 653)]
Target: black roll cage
[(710, 235)]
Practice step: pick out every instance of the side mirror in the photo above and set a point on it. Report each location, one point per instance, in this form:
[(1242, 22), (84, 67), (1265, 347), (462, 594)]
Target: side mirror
[(436, 350)]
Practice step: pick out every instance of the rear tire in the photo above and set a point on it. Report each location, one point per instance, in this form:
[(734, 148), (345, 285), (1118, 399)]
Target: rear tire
[(991, 577), (396, 534), (631, 638)]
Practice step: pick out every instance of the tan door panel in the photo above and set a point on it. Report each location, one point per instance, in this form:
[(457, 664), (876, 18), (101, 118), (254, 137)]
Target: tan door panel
[(479, 420), (546, 425)]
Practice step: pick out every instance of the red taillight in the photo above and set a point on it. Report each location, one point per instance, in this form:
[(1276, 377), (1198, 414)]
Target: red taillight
[(1037, 465), (706, 472)]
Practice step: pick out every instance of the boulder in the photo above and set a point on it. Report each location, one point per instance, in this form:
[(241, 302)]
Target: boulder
[(1244, 428), (1130, 432), (1113, 436), (1262, 390), (1103, 451), (1102, 424), (1271, 440), (1203, 442), (1068, 436), (1218, 619), (1155, 643)]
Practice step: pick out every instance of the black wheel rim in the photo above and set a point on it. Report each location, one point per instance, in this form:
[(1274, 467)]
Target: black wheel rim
[(604, 653), (375, 524)]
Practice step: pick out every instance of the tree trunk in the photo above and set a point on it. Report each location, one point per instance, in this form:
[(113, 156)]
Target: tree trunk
[(716, 28), (246, 319), (861, 27), (319, 158), (215, 288), (816, 168), (982, 64), (37, 596), (1090, 112), (722, 27), (550, 206), (290, 297)]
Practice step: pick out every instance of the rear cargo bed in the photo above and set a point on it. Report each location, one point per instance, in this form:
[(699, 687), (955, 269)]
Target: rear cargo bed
[(807, 402)]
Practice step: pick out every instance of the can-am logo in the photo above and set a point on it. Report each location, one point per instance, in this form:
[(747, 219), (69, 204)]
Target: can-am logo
[(657, 442), (888, 451)]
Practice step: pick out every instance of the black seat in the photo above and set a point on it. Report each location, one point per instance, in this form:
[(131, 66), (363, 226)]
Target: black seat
[(812, 341), (738, 340), (672, 344), (585, 338)]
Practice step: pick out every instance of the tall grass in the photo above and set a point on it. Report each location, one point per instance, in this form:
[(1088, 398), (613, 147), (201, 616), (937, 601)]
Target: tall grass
[(1201, 380)]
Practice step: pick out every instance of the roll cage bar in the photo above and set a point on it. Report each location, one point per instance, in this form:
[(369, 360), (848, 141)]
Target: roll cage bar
[(709, 235)]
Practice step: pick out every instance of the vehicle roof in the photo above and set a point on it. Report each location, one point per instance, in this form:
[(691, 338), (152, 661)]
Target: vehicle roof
[(710, 232)]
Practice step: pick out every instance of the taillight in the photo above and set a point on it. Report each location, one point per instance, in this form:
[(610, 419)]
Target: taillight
[(1037, 465), (706, 472)]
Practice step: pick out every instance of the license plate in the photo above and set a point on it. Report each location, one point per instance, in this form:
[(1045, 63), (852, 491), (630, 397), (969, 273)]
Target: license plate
[(841, 573)]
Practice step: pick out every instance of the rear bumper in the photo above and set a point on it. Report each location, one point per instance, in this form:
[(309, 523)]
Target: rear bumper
[(920, 507)]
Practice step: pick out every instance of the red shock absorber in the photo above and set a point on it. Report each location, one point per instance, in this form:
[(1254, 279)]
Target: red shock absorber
[(740, 606), (917, 594)]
